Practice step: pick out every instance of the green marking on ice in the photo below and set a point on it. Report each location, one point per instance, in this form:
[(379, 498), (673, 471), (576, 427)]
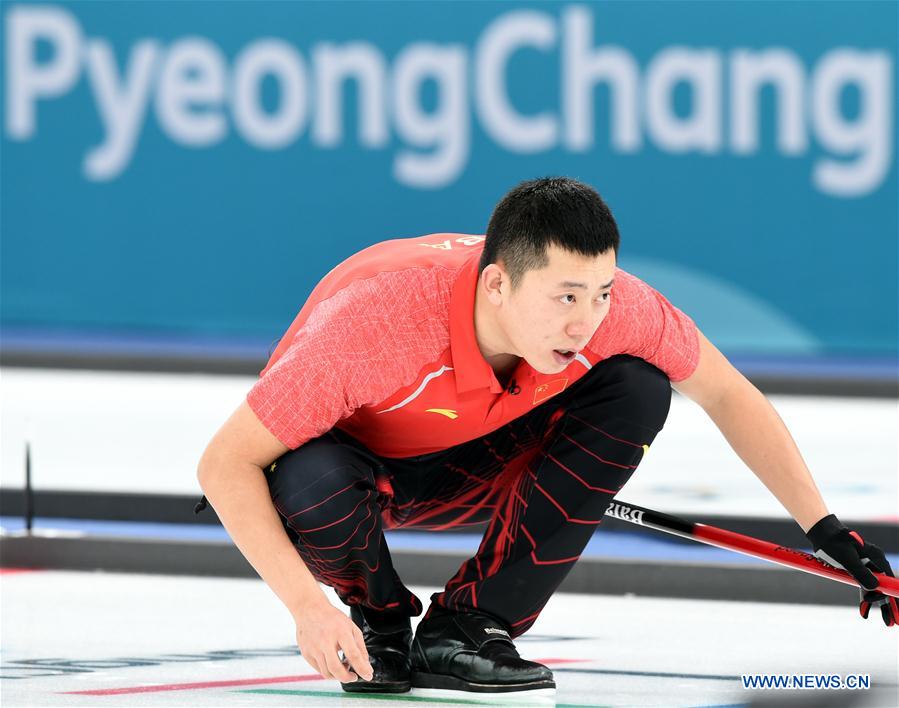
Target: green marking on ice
[(366, 696), (401, 697)]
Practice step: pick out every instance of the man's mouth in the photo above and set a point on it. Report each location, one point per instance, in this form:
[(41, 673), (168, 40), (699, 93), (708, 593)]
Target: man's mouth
[(564, 356)]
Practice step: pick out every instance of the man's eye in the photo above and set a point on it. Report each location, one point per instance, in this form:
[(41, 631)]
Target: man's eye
[(566, 301), (604, 297)]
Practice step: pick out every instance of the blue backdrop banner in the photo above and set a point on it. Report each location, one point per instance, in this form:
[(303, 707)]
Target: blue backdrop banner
[(195, 167)]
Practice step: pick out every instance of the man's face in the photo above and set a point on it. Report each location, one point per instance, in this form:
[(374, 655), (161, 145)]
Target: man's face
[(555, 310)]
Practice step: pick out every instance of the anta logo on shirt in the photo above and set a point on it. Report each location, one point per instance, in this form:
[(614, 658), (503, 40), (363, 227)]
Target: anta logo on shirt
[(549, 389), (451, 414)]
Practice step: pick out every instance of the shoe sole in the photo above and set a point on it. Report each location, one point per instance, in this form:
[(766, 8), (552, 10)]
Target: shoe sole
[(453, 683), (366, 687)]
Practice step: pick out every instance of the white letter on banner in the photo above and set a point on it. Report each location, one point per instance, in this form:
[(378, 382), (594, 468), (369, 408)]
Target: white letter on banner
[(333, 65), (192, 77), (702, 70), (582, 68), (26, 78), (870, 134), (750, 70), (499, 41), (446, 129), (281, 60), (122, 104)]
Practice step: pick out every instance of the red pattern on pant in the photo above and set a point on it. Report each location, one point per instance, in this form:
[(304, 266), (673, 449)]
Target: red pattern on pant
[(542, 482), (545, 514)]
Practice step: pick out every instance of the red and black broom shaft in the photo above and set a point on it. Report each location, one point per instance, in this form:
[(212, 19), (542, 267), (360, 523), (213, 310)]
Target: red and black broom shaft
[(713, 536)]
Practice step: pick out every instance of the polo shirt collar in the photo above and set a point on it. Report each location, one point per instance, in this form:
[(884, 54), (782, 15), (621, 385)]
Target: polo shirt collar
[(471, 369)]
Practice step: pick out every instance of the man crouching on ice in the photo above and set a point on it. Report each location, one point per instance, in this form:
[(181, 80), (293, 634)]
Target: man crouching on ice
[(447, 380)]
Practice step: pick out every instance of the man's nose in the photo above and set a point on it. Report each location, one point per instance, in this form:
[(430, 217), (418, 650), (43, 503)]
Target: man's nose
[(579, 328), (583, 326)]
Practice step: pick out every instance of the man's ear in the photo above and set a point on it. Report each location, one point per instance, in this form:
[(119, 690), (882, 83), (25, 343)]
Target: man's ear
[(495, 283)]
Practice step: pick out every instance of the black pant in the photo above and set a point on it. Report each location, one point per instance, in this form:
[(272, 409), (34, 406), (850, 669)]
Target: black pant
[(543, 481)]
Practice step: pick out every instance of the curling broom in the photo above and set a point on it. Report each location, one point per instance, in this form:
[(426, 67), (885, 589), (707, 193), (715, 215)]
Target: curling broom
[(722, 538)]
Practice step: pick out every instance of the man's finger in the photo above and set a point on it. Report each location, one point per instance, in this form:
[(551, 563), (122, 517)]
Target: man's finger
[(853, 565), (860, 572), (313, 663), (871, 558), (337, 669), (357, 635), (890, 612), (356, 653), (878, 561)]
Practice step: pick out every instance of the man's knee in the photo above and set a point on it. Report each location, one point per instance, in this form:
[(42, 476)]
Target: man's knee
[(647, 384), (318, 481), (636, 389)]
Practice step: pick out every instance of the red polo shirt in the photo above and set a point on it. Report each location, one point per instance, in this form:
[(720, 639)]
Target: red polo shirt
[(385, 349)]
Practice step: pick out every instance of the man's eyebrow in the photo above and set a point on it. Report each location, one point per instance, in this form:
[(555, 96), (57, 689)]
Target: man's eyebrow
[(583, 286)]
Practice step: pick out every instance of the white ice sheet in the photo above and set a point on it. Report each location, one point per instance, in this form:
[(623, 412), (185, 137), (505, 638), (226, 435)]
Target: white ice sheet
[(143, 634), (130, 432)]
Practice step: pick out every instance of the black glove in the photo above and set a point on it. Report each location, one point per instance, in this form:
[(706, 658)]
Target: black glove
[(842, 548)]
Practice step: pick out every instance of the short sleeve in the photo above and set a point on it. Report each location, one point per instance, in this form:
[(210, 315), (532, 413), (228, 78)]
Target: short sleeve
[(643, 323), (307, 391), (356, 348)]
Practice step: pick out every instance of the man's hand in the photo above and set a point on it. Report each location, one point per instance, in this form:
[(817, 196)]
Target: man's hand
[(323, 631), (845, 549)]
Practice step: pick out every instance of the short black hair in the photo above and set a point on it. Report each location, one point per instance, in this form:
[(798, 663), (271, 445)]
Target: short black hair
[(548, 211)]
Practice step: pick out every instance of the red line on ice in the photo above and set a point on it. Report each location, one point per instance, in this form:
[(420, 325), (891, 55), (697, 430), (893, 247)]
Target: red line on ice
[(190, 686), (236, 682)]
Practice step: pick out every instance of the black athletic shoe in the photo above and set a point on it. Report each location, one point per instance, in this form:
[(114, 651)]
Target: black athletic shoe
[(388, 652), (472, 652)]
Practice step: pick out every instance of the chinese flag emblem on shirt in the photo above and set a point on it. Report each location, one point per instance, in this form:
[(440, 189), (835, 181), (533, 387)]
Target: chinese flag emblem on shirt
[(549, 389)]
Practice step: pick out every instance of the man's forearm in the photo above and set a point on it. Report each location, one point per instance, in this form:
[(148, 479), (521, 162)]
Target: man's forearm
[(758, 435), (240, 497)]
